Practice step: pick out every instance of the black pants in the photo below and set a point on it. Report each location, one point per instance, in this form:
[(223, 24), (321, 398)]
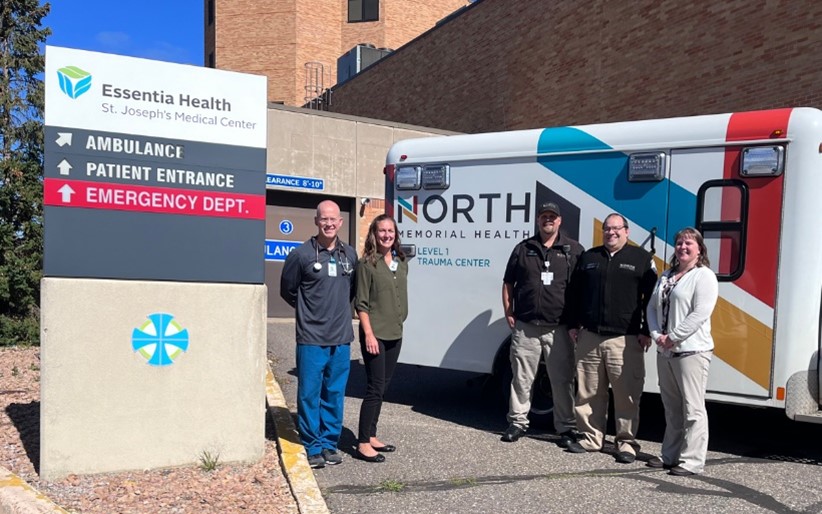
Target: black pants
[(378, 371)]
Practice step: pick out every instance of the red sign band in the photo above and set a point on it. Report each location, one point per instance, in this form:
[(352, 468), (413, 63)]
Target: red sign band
[(163, 200)]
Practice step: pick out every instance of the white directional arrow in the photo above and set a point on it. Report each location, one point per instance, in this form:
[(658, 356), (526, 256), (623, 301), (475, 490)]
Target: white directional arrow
[(66, 191), (64, 138), (64, 167)]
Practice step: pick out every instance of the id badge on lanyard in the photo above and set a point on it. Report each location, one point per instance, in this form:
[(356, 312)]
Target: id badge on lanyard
[(546, 276), (332, 267)]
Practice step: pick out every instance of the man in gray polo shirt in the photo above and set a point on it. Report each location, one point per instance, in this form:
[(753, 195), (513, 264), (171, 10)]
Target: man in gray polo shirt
[(318, 280)]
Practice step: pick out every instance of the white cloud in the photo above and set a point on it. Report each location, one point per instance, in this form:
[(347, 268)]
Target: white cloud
[(162, 51), (113, 40)]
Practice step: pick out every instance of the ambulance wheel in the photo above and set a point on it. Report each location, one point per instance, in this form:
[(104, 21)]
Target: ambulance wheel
[(542, 403)]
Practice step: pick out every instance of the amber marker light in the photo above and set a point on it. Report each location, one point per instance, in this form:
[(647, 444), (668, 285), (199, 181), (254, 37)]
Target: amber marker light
[(780, 393), (777, 133)]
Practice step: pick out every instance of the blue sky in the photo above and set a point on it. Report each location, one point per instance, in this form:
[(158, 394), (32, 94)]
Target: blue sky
[(165, 30)]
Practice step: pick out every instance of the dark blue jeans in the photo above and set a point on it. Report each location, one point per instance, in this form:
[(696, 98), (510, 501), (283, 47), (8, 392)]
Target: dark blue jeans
[(378, 371)]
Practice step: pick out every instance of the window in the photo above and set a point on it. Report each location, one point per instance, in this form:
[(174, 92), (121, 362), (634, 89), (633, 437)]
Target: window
[(211, 62), (210, 12), (722, 212), (363, 10)]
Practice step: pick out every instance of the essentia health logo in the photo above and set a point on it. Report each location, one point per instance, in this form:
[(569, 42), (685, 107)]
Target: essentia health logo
[(74, 81), (160, 340), (408, 208)]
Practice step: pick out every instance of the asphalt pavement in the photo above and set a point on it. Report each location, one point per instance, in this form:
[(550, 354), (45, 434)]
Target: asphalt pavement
[(450, 459)]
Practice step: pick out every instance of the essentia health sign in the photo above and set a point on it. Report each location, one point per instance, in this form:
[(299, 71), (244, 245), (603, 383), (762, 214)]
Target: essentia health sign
[(153, 170)]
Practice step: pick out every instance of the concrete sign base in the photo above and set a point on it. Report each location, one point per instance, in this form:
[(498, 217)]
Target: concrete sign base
[(139, 375)]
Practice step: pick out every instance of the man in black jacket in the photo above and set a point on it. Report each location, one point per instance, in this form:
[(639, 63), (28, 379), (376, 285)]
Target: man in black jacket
[(533, 298), (610, 289)]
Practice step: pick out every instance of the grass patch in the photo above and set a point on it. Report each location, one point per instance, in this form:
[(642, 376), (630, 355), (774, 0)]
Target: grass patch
[(464, 481), (209, 460), (390, 485)]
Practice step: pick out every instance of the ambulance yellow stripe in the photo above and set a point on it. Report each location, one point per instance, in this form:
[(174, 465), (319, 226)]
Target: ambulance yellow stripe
[(743, 342)]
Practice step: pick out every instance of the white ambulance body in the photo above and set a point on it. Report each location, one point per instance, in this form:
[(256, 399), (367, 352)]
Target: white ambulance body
[(751, 182)]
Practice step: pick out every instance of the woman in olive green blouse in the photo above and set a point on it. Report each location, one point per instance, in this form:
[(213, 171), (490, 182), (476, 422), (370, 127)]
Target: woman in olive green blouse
[(382, 305)]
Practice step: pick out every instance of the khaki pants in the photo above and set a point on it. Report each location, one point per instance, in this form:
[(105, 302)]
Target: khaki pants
[(527, 344), (603, 360), (682, 384)]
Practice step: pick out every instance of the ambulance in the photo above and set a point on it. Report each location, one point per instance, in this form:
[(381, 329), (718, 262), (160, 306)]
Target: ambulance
[(750, 182)]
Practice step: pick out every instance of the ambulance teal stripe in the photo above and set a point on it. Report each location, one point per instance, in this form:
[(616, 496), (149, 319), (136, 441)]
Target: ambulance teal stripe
[(605, 177), (567, 139)]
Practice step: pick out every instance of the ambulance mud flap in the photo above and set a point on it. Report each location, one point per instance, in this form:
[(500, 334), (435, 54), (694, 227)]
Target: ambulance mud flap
[(803, 401), (802, 397)]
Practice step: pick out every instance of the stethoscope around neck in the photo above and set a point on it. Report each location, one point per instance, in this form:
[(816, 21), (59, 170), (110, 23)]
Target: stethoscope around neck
[(344, 262)]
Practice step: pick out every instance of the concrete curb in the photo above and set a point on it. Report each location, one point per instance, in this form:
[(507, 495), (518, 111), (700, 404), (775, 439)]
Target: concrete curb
[(18, 497), (293, 458)]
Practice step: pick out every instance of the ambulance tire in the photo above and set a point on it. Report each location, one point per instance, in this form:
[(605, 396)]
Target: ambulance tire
[(542, 403)]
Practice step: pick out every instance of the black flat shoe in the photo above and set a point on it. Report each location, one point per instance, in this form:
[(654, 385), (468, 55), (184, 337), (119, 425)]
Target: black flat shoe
[(656, 463), (375, 458), (679, 471), (625, 457), (388, 448)]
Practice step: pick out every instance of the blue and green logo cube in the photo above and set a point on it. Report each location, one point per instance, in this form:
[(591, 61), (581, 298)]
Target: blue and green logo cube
[(74, 81)]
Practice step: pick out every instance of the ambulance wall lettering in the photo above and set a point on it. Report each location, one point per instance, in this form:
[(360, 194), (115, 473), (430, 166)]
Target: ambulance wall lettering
[(463, 208), (462, 262), (432, 251)]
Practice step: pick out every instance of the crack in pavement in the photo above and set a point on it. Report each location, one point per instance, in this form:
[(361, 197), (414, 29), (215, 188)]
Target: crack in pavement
[(728, 489)]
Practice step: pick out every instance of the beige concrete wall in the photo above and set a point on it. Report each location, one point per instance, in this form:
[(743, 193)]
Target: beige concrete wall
[(346, 151), (104, 408)]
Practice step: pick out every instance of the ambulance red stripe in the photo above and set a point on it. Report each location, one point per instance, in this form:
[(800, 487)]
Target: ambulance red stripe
[(764, 203)]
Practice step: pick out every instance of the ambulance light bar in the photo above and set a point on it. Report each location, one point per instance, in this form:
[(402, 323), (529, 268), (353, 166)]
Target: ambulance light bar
[(647, 167), (759, 161), (408, 177), (436, 177)]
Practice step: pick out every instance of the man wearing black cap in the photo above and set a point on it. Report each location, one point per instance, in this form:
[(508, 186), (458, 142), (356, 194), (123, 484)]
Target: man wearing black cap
[(533, 298)]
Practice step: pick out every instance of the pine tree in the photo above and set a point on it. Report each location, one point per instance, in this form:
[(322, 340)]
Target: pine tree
[(21, 168)]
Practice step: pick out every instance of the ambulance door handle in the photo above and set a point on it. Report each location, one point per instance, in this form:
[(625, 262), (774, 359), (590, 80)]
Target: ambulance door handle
[(653, 241)]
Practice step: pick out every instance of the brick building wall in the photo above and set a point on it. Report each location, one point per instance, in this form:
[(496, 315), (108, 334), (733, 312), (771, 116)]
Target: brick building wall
[(509, 64), (256, 36), (277, 38)]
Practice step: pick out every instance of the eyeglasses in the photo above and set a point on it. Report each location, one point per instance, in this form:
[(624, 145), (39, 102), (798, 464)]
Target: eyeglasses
[(328, 221), (613, 229)]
